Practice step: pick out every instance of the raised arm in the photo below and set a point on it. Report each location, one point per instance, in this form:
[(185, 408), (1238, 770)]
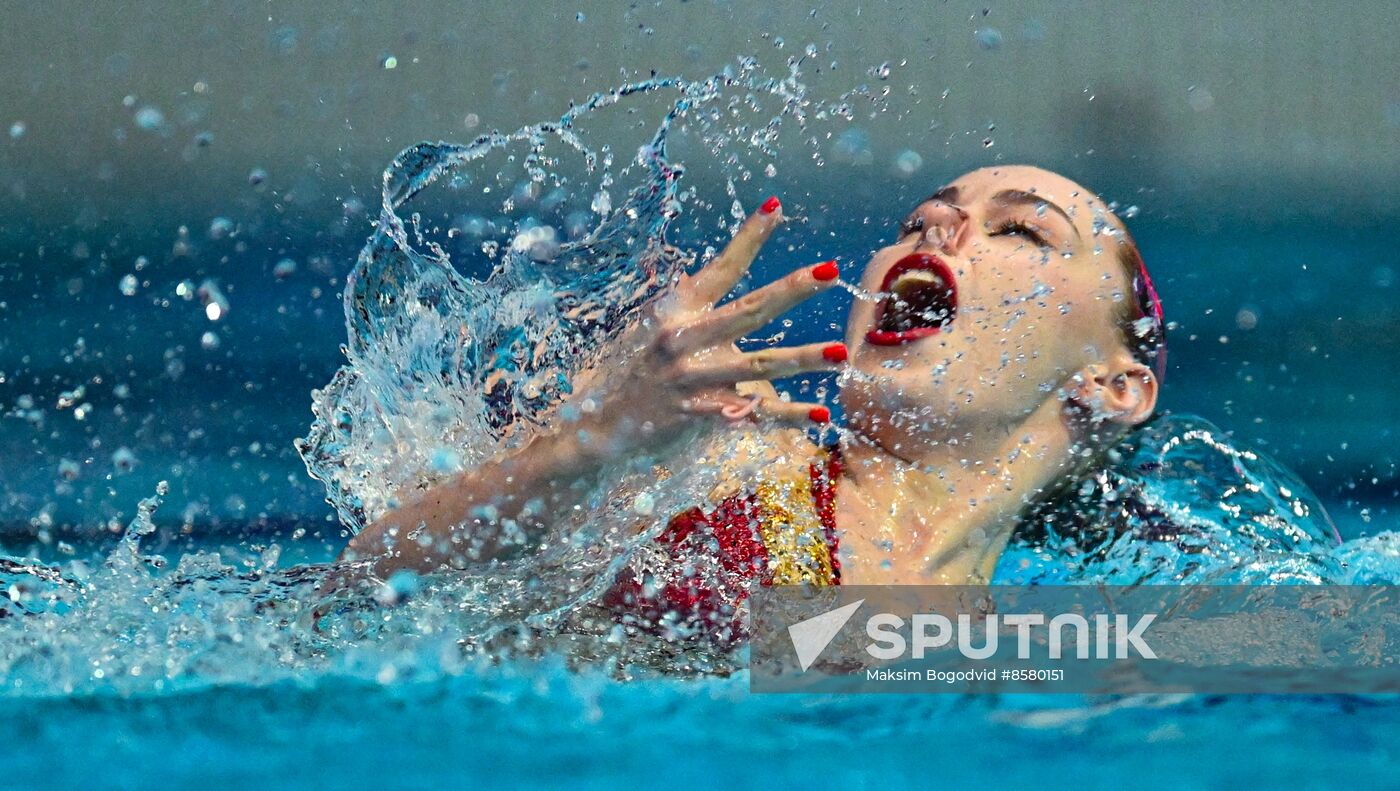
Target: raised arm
[(676, 368)]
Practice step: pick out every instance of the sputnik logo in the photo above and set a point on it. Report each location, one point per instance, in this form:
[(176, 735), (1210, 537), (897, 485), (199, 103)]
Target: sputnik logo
[(812, 636)]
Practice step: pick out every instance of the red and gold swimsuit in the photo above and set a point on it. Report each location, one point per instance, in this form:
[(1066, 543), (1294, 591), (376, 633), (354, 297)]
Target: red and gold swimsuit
[(699, 569)]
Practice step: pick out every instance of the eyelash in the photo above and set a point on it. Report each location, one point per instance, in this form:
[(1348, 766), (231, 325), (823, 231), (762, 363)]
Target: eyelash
[(1007, 228), (1016, 228)]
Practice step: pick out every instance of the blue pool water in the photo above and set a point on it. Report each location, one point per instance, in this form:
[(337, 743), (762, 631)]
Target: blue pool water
[(171, 642), (537, 726)]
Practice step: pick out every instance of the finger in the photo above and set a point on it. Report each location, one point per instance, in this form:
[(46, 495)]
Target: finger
[(736, 412), (754, 387), (796, 413), (719, 277), (753, 409), (739, 317), (774, 363), (723, 403)]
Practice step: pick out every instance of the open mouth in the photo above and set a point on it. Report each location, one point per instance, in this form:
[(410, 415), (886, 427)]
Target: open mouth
[(920, 300)]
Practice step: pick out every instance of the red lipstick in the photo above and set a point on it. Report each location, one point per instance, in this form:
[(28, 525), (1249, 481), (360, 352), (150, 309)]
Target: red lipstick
[(937, 295)]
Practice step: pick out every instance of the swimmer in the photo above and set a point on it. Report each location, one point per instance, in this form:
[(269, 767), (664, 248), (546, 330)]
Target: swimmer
[(1010, 335)]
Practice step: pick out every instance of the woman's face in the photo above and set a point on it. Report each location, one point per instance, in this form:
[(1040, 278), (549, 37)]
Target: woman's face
[(994, 292)]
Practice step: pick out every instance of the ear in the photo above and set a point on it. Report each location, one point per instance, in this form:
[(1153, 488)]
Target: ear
[(1120, 390)]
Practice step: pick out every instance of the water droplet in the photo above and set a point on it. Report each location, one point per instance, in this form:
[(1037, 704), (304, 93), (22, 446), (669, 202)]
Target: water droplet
[(124, 460), (445, 460), (215, 303), (541, 243), (257, 176), (149, 118), (1200, 99), (283, 40), (1247, 318), (209, 341), (881, 72), (284, 269), (389, 62), (220, 227), (68, 398), (908, 162), (987, 142), (128, 285), (853, 147), (988, 38), (1129, 213), (602, 202), (17, 130)]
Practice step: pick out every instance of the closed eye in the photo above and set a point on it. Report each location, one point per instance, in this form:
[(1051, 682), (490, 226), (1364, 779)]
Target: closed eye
[(1023, 230)]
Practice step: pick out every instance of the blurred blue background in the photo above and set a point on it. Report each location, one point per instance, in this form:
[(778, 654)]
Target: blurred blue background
[(150, 148)]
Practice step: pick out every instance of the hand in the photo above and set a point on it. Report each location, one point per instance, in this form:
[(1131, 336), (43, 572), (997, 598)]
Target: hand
[(675, 368), (680, 365)]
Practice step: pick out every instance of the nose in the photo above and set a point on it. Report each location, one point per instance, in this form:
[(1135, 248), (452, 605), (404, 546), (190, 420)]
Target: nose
[(945, 226)]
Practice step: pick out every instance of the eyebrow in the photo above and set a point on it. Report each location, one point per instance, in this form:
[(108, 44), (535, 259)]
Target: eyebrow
[(945, 194), (1023, 198)]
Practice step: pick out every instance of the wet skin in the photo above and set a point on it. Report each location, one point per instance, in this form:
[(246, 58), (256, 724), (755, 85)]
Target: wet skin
[(1002, 365)]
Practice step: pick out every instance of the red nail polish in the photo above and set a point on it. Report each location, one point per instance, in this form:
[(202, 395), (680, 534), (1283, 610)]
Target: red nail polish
[(826, 271), (771, 205), (835, 353), (819, 414)]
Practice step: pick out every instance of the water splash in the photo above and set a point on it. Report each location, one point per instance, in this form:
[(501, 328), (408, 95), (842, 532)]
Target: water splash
[(1178, 503), (465, 333), (445, 370), (446, 366)]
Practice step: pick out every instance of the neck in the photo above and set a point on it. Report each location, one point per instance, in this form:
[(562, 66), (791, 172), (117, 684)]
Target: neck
[(944, 515)]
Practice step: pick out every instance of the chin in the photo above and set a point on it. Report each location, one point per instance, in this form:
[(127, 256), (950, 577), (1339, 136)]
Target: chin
[(881, 399)]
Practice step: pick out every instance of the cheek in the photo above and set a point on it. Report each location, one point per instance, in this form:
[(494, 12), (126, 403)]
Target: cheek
[(1070, 322), (1018, 300), (1031, 319)]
